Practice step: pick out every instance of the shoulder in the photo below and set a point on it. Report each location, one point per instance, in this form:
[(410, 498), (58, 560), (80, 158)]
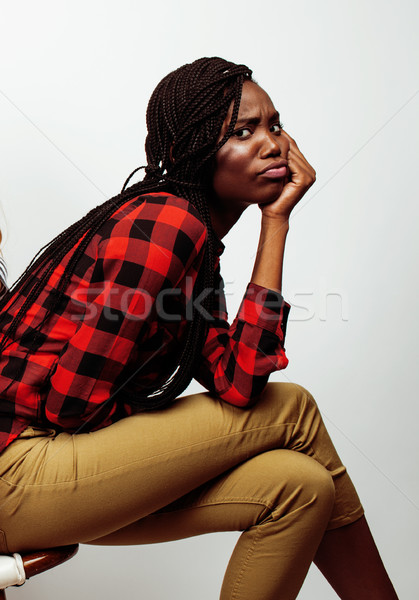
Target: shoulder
[(155, 210), (157, 220)]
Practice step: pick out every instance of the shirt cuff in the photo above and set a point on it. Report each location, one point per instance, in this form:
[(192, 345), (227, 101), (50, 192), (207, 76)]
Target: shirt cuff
[(265, 308)]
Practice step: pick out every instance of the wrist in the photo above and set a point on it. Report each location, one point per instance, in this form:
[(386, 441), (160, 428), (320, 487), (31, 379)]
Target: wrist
[(275, 224)]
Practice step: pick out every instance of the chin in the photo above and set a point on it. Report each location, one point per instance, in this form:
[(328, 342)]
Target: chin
[(269, 198)]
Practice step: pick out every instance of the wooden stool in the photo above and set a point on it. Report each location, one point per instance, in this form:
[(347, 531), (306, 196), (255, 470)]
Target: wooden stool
[(14, 570)]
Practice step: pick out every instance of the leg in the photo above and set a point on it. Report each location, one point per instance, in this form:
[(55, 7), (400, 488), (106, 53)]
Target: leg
[(349, 559), (281, 499), (88, 485), (63, 489)]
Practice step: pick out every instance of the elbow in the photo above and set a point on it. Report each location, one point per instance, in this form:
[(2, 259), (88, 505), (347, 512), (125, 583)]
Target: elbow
[(245, 396), (239, 399)]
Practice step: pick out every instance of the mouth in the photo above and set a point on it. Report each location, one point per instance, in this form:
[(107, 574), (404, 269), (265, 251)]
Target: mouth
[(275, 170)]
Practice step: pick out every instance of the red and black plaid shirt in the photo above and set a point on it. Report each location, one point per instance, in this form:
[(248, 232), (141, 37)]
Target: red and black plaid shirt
[(121, 325)]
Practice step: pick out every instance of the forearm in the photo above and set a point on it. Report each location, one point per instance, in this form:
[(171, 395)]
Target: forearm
[(238, 359), (267, 270)]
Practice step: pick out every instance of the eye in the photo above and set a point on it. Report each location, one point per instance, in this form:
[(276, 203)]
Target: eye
[(243, 133), (277, 127)]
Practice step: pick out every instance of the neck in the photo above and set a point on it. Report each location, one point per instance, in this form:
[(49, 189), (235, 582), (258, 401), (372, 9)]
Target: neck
[(223, 218)]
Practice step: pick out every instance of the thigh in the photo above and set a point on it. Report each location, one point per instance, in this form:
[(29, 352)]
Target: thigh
[(60, 489), (281, 500), (266, 487)]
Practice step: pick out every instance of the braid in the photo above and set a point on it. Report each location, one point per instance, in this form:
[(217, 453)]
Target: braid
[(184, 118)]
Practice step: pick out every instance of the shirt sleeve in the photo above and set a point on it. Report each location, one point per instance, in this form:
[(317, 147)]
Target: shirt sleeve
[(238, 358), (141, 257)]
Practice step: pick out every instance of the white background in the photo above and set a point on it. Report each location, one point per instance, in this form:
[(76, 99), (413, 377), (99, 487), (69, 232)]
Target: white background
[(74, 83)]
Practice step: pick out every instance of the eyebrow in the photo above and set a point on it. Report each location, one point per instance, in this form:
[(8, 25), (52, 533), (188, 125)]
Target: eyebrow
[(256, 120)]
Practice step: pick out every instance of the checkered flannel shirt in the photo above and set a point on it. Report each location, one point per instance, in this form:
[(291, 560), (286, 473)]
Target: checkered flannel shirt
[(122, 323)]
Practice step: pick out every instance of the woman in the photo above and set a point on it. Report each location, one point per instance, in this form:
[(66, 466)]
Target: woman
[(110, 323)]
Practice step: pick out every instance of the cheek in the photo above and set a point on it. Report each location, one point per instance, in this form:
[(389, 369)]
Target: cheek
[(230, 169), (233, 157)]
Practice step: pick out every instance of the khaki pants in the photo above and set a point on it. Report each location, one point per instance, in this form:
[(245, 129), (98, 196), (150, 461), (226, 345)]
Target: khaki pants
[(199, 466)]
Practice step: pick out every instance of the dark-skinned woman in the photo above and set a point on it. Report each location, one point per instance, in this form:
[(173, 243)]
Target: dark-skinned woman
[(109, 324)]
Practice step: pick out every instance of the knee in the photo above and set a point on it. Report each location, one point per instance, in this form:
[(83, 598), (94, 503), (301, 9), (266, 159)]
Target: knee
[(316, 490), (291, 390), (317, 481), (296, 481), (288, 480), (292, 395)]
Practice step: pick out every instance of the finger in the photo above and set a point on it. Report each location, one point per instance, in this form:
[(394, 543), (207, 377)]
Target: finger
[(297, 158), (289, 138), (287, 135), (293, 143), (301, 168), (295, 153)]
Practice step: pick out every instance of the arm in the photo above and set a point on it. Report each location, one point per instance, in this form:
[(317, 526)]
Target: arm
[(146, 252), (268, 265), (239, 359)]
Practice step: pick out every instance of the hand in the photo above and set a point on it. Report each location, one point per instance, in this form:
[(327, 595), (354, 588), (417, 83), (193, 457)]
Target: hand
[(302, 176)]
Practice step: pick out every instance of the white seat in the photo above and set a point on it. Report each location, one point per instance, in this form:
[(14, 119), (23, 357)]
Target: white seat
[(17, 568), (12, 571)]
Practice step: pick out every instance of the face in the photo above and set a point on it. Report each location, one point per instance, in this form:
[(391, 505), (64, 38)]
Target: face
[(251, 167)]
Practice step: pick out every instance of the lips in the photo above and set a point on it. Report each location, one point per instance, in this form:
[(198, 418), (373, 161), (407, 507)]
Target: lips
[(275, 170)]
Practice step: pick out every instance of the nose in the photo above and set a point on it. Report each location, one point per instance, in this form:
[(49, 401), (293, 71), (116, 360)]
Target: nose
[(274, 145)]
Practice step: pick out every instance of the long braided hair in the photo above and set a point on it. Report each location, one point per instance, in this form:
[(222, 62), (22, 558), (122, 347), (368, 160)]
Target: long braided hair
[(184, 117)]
